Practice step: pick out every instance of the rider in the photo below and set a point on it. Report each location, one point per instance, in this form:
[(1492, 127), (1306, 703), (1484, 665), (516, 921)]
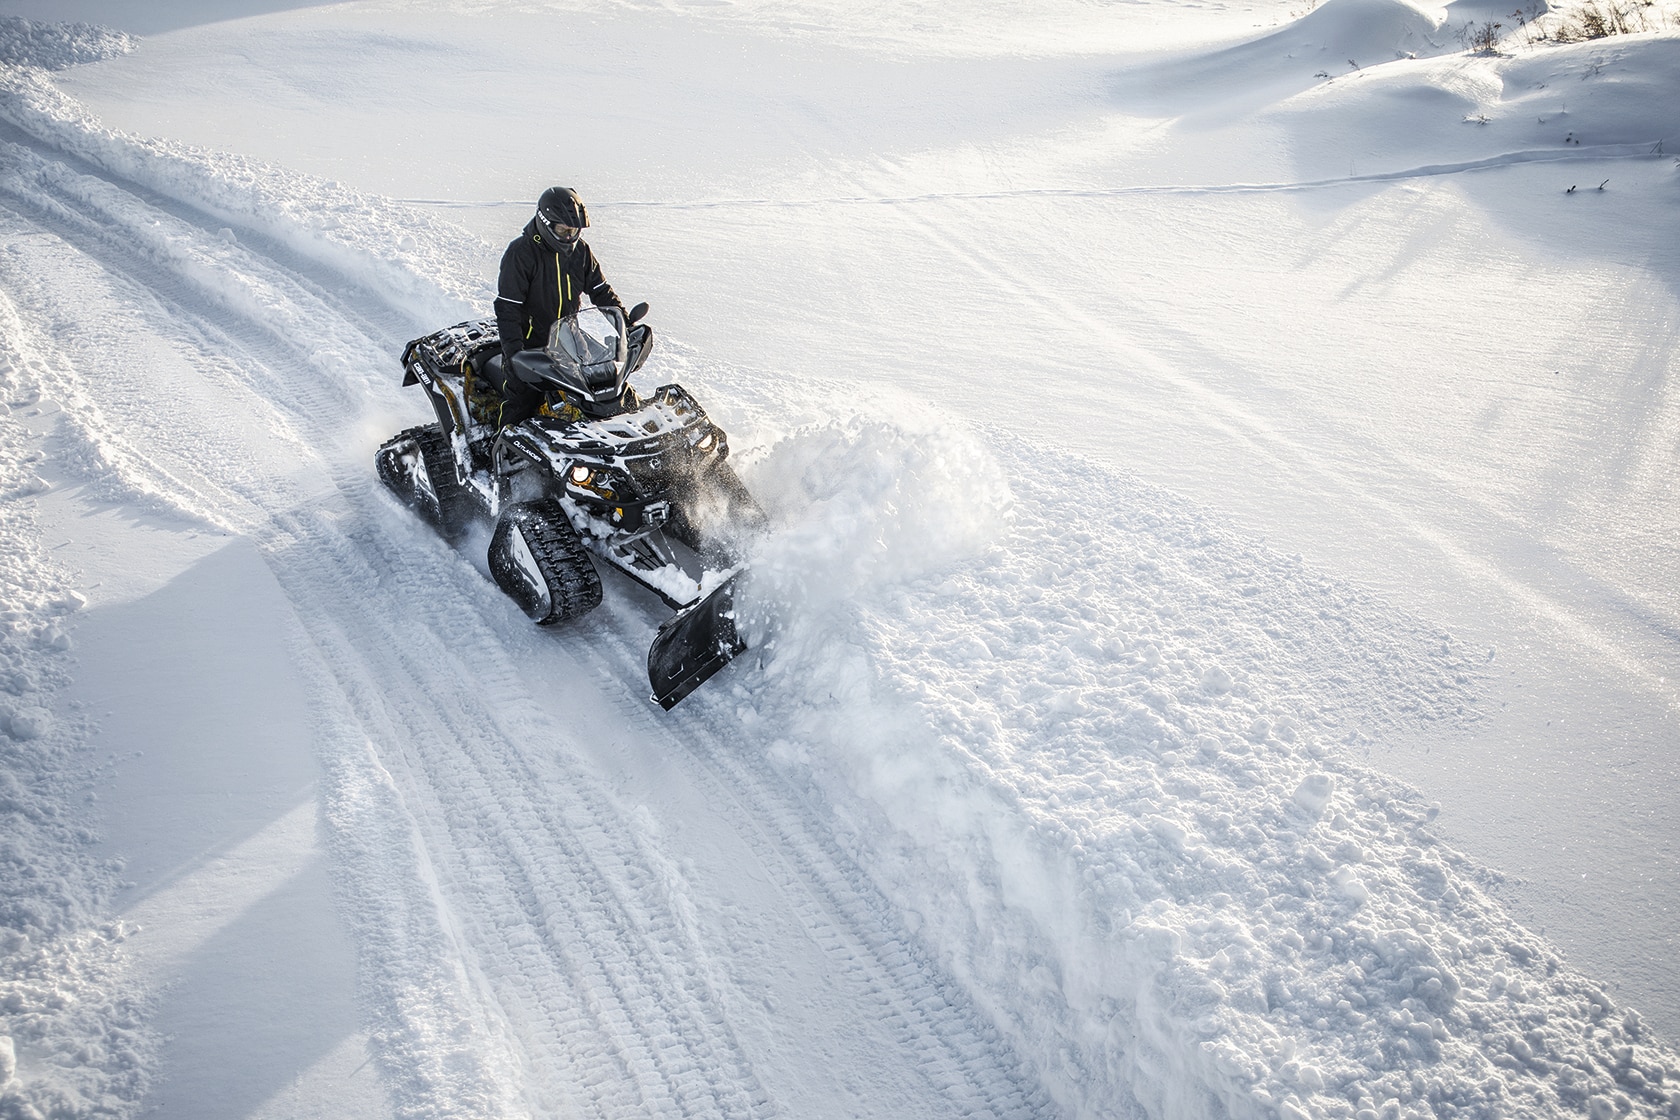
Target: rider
[(546, 272)]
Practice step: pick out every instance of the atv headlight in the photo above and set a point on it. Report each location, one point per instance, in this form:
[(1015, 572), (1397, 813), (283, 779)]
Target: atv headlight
[(707, 443), (580, 475)]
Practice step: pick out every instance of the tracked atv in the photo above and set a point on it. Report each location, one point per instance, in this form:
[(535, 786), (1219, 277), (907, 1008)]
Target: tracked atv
[(599, 475)]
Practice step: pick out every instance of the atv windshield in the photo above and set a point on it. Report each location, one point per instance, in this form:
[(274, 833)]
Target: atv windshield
[(588, 348)]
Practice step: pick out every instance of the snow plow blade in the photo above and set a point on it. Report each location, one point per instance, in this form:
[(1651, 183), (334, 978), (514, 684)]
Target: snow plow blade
[(699, 641)]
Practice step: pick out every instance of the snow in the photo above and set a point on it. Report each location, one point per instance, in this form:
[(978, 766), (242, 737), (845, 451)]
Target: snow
[(1160, 892), (1214, 656)]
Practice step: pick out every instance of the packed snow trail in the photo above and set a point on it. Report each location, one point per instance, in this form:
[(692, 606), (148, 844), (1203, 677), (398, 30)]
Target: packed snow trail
[(1023, 810), (527, 949)]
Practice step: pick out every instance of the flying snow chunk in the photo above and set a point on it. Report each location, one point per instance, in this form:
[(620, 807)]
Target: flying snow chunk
[(1170, 833), (1068, 702), (1349, 886), (29, 723), (1313, 794)]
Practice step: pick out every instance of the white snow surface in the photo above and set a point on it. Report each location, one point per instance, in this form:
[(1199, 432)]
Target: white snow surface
[(1222, 464)]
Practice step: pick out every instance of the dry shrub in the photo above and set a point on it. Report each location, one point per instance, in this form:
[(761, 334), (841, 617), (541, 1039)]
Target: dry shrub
[(1599, 21)]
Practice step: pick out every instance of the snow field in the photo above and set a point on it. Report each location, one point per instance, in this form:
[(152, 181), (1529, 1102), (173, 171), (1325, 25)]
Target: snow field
[(389, 253), (1046, 788)]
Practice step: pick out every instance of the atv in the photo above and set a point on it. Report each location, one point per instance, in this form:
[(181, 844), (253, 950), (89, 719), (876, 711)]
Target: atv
[(600, 475)]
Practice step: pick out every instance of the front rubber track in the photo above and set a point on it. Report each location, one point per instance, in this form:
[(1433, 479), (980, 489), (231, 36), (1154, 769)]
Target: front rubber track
[(569, 584)]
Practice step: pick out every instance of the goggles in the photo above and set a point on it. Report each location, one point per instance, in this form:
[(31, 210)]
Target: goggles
[(559, 231)]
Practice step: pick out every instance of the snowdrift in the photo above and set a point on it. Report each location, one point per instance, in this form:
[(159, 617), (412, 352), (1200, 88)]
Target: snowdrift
[(1561, 102), (1368, 32), (1095, 764), (1334, 38)]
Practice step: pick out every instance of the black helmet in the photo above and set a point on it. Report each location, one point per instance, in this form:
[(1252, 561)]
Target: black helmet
[(560, 215)]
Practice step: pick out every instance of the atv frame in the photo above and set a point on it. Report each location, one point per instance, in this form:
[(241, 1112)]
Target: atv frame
[(641, 485)]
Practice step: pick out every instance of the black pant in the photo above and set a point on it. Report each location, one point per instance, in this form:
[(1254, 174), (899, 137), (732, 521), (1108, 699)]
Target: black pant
[(519, 400)]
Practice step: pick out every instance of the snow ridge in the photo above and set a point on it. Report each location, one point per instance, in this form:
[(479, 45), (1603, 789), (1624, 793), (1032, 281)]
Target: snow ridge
[(1092, 763), (59, 46), (73, 1041)]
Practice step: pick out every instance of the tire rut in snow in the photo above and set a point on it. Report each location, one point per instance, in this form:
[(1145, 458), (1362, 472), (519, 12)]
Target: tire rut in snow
[(961, 1057), (307, 558), (531, 863), (536, 879)]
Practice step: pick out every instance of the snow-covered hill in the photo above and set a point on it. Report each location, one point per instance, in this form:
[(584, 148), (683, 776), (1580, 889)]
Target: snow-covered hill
[(1160, 506)]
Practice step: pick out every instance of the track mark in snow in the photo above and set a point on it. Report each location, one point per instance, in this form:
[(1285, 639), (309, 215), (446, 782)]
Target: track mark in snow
[(1647, 150), (960, 1057), (523, 946)]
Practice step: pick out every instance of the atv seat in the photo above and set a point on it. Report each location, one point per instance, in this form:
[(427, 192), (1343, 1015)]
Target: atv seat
[(520, 401)]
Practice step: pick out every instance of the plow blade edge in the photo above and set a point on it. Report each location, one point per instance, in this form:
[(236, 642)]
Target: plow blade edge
[(699, 641)]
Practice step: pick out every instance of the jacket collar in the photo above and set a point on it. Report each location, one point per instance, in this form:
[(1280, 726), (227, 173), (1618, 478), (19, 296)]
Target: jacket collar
[(534, 232)]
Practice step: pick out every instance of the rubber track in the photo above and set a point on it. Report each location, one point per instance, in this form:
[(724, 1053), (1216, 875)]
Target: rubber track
[(449, 507), (574, 587), (384, 464)]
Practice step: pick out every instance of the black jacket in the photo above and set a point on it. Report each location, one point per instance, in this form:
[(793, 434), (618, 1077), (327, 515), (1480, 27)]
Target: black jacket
[(538, 285)]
